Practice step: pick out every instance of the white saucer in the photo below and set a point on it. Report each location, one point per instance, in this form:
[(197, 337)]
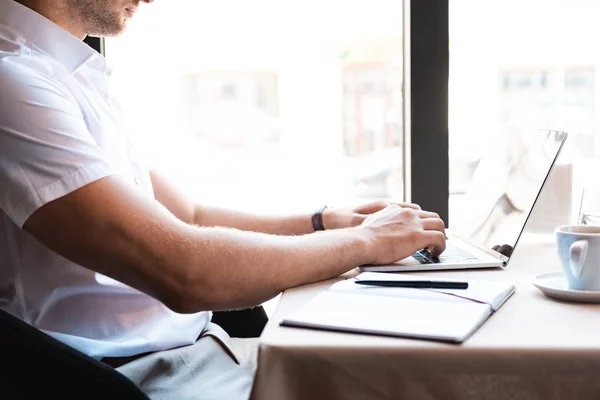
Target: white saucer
[(554, 285)]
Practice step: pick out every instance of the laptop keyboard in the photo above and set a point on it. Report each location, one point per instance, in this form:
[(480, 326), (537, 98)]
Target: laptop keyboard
[(452, 254)]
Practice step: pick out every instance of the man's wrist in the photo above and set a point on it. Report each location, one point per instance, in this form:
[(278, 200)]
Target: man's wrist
[(337, 218), (317, 219), (364, 244), (331, 219)]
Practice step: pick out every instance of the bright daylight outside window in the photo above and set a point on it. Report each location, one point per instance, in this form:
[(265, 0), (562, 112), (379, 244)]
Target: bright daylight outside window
[(267, 105), (523, 64)]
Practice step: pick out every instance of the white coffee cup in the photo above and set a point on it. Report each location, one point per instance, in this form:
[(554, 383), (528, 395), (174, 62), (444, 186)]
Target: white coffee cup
[(579, 254)]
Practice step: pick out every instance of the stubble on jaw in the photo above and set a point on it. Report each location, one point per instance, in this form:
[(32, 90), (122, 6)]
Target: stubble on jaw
[(97, 17)]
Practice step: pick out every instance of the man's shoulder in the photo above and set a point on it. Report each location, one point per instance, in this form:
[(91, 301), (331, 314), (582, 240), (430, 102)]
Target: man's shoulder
[(20, 64), (21, 75)]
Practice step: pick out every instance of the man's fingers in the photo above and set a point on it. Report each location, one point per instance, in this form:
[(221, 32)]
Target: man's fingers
[(435, 242), (427, 214), (408, 205), (506, 249), (433, 224)]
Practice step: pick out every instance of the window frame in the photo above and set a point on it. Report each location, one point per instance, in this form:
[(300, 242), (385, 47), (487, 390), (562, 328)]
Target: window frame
[(426, 77), (95, 43)]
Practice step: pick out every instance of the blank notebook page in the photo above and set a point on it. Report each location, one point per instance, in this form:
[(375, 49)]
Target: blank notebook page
[(396, 316)]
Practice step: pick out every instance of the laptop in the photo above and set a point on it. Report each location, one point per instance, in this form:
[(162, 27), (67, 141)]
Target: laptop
[(496, 206)]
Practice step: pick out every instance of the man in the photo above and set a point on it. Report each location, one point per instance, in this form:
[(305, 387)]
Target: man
[(109, 257)]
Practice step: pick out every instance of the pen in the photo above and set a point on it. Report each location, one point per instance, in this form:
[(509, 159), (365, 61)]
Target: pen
[(415, 284)]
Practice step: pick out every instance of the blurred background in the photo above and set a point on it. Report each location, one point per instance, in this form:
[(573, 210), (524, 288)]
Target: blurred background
[(280, 106)]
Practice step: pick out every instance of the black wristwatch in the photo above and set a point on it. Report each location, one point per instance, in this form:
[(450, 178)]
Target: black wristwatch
[(317, 219)]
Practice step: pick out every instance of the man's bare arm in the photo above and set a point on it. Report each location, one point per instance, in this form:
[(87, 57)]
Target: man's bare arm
[(176, 201), (113, 229)]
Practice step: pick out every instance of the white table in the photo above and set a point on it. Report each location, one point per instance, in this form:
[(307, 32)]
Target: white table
[(532, 348)]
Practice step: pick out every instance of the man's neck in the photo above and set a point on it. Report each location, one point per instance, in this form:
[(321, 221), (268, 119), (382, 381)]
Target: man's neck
[(57, 12)]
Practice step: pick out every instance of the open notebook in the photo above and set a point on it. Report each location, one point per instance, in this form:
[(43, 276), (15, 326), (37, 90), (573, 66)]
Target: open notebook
[(436, 314)]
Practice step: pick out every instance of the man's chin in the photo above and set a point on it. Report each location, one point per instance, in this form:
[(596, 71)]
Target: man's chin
[(110, 32)]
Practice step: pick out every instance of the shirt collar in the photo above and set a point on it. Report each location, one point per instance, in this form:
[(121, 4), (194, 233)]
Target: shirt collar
[(35, 30)]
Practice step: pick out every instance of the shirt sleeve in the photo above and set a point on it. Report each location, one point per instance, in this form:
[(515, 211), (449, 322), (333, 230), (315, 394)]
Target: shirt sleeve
[(46, 149)]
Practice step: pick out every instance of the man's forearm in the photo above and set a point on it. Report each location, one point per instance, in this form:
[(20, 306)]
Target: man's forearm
[(247, 268), (276, 225), (175, 200)]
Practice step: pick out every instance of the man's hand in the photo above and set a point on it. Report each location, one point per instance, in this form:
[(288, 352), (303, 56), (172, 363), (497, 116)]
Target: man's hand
[(338, 218), (396, 232), (505, 249)]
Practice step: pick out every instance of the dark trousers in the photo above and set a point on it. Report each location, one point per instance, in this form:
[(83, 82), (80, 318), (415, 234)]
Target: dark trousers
[(246, 323)]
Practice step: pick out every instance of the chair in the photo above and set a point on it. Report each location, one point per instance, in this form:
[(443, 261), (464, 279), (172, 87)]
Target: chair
[(35, 364), (246, 323)]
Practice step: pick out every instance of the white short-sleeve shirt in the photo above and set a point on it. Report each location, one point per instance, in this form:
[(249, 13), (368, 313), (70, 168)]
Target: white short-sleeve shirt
[(61, 130)]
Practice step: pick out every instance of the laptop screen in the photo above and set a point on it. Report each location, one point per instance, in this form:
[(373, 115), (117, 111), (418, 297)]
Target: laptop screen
[(505, 187)]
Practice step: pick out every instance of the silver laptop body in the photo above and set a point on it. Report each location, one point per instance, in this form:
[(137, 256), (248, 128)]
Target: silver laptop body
[(502, 194)]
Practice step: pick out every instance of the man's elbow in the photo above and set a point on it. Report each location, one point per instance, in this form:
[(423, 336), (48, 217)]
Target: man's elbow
[(206, 297), (181, 306), (199, 287), (188, 297), (185, 301)]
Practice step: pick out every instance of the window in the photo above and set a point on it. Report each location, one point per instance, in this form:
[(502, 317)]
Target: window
[(268, 106), (372, 107), (580, 78), (524, 80), (534, 68)]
